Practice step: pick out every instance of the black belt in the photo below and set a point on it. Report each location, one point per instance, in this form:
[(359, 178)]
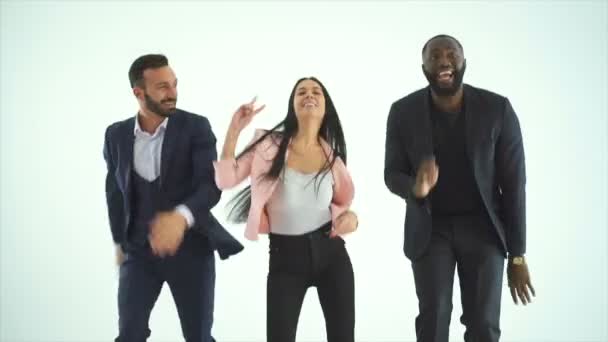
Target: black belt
[(323, 231)]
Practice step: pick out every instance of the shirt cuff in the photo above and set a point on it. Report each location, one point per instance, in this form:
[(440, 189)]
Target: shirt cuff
[(186, 213)]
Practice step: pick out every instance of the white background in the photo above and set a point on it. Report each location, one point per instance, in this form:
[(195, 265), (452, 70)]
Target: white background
[(63, 68)]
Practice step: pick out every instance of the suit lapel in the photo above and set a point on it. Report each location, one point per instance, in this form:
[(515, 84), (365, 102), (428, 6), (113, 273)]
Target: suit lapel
[(423, 136), (473, 123), (171, 135), (128, 139)]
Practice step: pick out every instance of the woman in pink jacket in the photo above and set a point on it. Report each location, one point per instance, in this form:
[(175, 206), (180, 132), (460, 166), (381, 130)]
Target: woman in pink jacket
[(299, 195)]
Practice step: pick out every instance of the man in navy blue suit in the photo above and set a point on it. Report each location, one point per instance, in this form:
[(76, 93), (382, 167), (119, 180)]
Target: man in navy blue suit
[(160, 189)]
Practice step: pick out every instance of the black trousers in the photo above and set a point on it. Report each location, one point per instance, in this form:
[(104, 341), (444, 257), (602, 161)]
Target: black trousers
[(299, 262), (469, 245)]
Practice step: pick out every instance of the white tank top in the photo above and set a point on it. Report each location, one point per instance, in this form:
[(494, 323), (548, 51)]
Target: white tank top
[(300, 203)]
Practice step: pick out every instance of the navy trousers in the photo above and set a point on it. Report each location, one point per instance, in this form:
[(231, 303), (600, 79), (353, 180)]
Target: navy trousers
[(190, 275)]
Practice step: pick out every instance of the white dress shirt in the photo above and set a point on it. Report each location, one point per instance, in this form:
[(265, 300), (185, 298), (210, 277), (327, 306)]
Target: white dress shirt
[(147, 151)]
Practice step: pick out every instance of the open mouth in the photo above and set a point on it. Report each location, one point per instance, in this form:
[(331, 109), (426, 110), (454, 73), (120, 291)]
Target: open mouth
[(309, 104), (446, 76)]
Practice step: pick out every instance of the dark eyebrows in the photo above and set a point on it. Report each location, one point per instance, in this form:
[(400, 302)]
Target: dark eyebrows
[(314, 88), (165, 83)]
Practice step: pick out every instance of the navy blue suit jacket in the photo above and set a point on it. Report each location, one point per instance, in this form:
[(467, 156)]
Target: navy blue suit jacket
[(186, 177)]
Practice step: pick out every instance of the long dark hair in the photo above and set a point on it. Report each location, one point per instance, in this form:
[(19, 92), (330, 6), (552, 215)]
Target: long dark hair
[(330, 131)]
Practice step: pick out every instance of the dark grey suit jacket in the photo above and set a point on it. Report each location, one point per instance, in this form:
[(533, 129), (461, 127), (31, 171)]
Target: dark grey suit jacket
[(495, 151)]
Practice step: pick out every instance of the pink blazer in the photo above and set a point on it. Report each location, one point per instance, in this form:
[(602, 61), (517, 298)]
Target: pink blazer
[(230, 172)]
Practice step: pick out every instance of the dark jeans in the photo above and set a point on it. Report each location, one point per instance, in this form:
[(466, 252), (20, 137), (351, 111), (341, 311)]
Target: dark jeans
[(190, 275), (470, 245), (299, 262)]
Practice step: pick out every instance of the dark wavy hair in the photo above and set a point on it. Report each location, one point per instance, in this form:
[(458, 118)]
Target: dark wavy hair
[(281, 134)]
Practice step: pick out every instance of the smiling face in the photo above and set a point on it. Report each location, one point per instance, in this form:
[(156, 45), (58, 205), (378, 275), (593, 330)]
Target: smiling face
[(309, 101), (158, 91), (444, 65)]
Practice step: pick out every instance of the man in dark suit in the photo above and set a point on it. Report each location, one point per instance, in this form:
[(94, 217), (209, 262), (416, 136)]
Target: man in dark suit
[(160, 189), (455, 154)]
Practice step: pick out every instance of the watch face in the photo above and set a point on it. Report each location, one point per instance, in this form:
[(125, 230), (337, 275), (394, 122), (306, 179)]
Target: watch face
[(518, 260)]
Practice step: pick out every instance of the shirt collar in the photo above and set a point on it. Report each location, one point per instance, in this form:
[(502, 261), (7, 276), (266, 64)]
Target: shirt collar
[(137, 129)]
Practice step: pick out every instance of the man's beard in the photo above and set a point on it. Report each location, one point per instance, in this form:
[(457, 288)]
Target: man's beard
[(157, 108), (457, 78)]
